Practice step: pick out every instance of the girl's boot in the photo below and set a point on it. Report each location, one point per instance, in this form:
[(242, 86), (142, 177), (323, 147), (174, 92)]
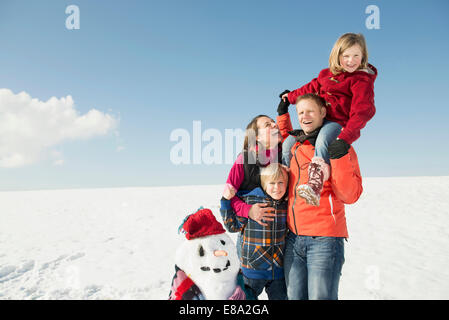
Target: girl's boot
[(318, 174)]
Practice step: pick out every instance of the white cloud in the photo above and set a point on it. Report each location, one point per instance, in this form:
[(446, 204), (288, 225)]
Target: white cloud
[(29, 128)]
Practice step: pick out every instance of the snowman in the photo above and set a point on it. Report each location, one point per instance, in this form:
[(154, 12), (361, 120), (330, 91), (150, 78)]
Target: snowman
[(207, 266)]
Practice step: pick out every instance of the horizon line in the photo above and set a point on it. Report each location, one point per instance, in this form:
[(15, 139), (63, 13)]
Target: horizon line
[(180, 185)]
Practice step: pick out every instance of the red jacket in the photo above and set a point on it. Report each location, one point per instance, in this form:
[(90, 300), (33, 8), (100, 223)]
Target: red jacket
[(344, 186), (349, 97)]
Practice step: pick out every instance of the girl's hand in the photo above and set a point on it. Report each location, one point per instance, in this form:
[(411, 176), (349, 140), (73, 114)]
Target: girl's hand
[(284, 95), (229, 191), (338, 148), (260, 213)]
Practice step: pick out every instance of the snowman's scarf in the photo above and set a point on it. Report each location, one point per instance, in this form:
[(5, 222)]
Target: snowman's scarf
[(183, 288)]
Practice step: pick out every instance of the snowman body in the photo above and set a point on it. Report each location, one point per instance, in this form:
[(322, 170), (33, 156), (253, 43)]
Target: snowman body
[(212, 264)]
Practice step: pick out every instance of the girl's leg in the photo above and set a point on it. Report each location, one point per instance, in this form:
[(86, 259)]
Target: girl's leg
[(328, 133), (319, 167), (286, 150)]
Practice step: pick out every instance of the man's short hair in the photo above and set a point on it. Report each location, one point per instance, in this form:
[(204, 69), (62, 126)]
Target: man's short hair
[(311, 96)]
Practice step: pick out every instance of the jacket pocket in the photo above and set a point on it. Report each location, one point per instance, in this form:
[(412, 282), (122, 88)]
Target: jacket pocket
[(261, 258)]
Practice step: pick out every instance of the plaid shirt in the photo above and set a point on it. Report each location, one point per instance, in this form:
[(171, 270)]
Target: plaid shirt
[(262, 247)]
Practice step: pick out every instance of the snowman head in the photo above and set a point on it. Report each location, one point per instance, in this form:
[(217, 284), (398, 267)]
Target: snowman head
[(208, 256)]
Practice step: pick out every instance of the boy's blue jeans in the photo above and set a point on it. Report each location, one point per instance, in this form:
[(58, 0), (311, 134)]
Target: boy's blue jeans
[(275, 289), (328, 133), (312, 267)]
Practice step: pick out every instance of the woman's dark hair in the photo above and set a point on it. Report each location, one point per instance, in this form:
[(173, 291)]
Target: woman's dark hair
[(251, 133)]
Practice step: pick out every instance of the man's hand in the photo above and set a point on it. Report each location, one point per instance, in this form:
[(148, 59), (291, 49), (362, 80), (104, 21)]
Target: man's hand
[(283, 107), (260, 213)]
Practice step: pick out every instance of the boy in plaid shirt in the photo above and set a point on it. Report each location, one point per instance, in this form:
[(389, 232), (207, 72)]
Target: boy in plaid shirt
[(262, 248)]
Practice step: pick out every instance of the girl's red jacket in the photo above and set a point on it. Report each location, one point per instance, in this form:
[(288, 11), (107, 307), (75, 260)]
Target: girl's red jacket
[(349, 97)]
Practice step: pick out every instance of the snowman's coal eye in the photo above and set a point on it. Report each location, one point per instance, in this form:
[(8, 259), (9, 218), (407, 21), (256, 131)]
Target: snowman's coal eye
[(222, 242), (201, 251)]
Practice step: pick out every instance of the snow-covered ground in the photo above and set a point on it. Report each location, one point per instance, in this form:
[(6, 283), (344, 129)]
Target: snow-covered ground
[(120, 243)]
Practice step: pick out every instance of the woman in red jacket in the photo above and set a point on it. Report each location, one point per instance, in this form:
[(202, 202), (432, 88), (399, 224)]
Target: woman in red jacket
[(347, 86)]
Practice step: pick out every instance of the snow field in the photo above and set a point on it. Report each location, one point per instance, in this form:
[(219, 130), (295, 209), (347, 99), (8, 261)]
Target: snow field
[(120, 243)]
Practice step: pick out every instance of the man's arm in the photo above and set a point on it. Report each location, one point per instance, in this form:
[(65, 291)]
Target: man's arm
[(285, 125)]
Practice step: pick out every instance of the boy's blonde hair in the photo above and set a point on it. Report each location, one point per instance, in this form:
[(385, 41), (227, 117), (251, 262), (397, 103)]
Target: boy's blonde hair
[(272, 172), (344, 42)]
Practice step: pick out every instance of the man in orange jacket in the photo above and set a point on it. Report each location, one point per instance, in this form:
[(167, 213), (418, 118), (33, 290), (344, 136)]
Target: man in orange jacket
[(314, 252)]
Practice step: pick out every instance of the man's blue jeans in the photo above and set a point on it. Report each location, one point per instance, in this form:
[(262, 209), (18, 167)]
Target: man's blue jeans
[(312, 267)]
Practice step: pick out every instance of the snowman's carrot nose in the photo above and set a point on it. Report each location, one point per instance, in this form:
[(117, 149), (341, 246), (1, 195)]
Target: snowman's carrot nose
[(219, 253)]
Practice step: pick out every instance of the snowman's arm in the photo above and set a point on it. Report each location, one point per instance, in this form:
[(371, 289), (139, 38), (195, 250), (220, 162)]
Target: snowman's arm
[(231, 221)]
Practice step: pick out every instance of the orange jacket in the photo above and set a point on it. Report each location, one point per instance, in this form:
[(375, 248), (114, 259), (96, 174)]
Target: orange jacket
[(344, 186)]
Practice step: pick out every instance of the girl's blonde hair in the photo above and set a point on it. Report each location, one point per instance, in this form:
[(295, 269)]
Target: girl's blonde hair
[(344, 42), (272, 172)]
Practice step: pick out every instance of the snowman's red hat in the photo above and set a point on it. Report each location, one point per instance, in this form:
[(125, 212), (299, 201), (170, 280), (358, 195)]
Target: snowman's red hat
[(201, 224)]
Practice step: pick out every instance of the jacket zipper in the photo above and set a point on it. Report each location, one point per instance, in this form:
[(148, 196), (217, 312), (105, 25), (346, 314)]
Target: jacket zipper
[(294, 191), (332, 208)]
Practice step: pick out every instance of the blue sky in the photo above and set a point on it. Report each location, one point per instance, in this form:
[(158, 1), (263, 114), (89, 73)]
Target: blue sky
[(157, 66)]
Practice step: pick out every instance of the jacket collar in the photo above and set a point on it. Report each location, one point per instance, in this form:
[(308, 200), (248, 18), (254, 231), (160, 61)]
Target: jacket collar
[(301, 136), (260, 193)]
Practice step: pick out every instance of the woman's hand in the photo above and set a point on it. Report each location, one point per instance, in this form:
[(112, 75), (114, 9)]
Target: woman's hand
[(229, 191), (260, 213)]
